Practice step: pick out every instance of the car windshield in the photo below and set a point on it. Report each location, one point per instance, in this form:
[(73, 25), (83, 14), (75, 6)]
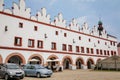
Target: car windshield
[(12, 67)]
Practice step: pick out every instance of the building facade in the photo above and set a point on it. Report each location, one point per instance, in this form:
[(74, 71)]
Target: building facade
[(118, 46), (25, 37)]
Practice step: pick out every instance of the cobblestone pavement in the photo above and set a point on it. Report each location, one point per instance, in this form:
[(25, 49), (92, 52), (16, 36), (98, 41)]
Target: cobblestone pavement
[(81, 75)]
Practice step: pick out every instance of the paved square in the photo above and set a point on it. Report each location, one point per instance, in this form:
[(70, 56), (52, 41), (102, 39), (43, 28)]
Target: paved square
[(81, 75)]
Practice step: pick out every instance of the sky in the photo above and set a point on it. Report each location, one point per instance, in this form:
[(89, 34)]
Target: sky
[(90, 11)]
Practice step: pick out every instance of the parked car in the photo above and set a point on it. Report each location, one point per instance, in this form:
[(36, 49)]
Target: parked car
[(10, 70), (37, 70)]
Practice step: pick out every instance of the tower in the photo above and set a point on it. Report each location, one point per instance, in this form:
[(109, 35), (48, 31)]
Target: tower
[(100, 27)]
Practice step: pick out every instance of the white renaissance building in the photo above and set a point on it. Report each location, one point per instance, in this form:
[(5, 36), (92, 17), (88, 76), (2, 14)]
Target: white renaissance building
[(24, 37)]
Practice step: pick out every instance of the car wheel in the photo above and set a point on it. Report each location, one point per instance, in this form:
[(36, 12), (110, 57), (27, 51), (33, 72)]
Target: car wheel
[(38, 75), (21, 77), (6, 76)]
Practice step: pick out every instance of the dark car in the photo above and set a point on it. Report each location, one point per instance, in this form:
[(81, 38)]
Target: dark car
[(10, 70), (37, 70)]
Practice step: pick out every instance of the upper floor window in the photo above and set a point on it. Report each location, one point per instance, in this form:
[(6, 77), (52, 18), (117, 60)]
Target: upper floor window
[(108, 53), (56, 32), (79, 37), (104, 52), (40, 44), (89, 40), (20, 25), (35, 28), (64, 47), (97, 51), (82, 49), (53, 46), (92, 52), (110, 42), (65, 34), (77, 49), (30, 42), (87, 49), (101, 52), (112, 53), (69, 47), (98, 42), (18, 41)]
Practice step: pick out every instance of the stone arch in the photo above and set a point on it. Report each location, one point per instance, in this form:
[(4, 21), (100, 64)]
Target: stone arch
[(67, 62), (37, 57), (79, 62), (1, 59), (20, 57), (98, 60), (52, 56), (53, 61), (90, 62)]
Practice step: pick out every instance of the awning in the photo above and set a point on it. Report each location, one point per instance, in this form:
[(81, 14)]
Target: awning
[(33, 60), (55, 60)]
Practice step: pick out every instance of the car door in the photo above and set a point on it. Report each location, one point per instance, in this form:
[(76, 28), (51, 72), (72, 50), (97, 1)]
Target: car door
[(32, 71)]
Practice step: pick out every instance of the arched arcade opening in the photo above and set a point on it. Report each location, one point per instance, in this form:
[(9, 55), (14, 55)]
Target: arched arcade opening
[(16, 58), (67, 62), (90, 62), (79, 63)]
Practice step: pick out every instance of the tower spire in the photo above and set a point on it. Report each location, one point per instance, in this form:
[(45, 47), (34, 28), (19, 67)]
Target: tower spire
[(100, 27)]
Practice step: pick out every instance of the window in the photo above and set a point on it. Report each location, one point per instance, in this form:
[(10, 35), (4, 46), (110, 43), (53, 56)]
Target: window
[(56, 32), (82, 49), (89, 40), (18, 41), (69, 47), (112, 53), (79, 37), (92, 52), (101, 52), (114, 43), (87, 50), (35, 28), (64, 47), (108, 53), (98, 42), (105, 43), (40, 44), (77, 49), (20, 25), (104, 52), (30, 43), (53, 46), (97, 51), (110, 42), (65, 34)]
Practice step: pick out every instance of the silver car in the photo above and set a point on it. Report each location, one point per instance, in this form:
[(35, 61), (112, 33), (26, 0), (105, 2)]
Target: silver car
[(10, 70), (37, 70)]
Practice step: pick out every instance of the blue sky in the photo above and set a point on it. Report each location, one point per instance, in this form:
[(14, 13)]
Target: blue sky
[(89, 11)]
